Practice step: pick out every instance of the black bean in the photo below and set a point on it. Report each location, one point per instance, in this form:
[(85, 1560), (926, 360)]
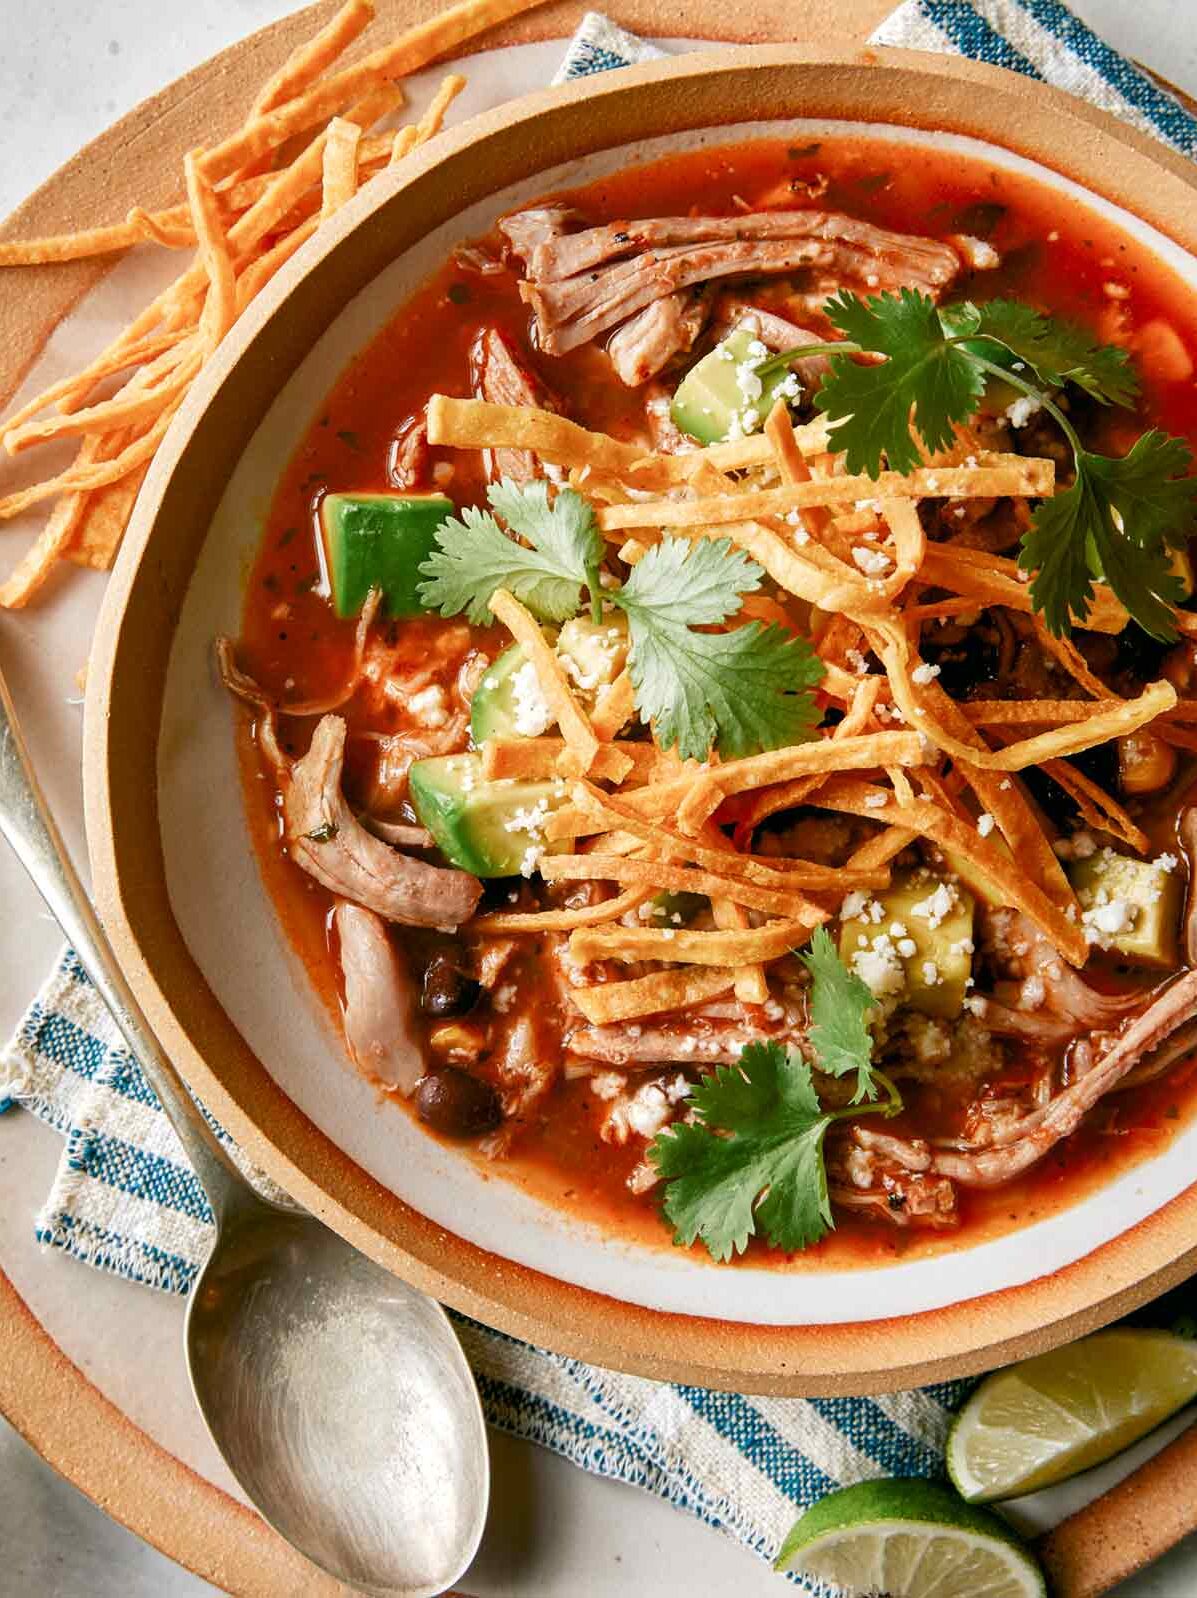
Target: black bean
[(457, 1104), (447, 990)]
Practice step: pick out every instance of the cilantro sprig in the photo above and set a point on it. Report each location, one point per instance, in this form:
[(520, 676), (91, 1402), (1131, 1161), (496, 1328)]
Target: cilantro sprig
[(752, 1159), (738, 691), (1116, 522), (474, 556)]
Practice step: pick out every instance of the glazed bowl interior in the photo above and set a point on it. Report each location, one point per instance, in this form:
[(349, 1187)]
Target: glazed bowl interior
[(177, 869)]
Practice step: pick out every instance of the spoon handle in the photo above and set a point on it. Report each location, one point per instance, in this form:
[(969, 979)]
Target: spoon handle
[(26, 822)]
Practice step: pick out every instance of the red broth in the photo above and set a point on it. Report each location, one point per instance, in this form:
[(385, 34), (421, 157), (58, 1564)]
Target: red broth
[(1054, 254)]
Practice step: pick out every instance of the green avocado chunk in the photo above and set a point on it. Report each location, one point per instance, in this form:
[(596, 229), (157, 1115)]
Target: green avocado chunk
[(1129, 907), (489, 828), (379, 541), (709, 397), (918, 951), (492, 709)]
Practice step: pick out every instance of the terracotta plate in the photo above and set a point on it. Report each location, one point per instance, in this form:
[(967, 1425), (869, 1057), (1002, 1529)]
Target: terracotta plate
[(174, 867)]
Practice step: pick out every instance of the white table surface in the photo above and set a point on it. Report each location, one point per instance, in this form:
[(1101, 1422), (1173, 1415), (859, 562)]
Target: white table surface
[(65, 73)]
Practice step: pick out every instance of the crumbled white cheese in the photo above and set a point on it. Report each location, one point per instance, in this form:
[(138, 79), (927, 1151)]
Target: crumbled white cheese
[(978, 253), (907, 948), (533, 717), (857, 661), (871, 561), (853, 904), (430, 706), (1032, 993), (1166, 862), (985, 824), (1106, 920), (930, 974), (1020, 410), (936, 906), (924, 673), (1079, 847), (876, 801), (879, 967)]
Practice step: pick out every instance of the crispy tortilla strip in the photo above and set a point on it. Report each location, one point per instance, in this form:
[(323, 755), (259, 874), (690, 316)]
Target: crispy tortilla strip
[(407, 54), (1004, 799), (695, 948), (478, 424), (652, 995), (404, 142), (615, 708), (562, 920), (165, 378), (877, 804), (215, 255), (83, 476), (1070, 657), (1029, 476), (98, 533), (539, 760), (33, 569), (554, 685), (108, 364), (814, 438), (659, 876), (308, 60), (258, 273), (1033, 712), (864, 752), (880, 849), (433, 119), (890, 643), (598, 812), (339, 172), (995, 581), (1099, 810)]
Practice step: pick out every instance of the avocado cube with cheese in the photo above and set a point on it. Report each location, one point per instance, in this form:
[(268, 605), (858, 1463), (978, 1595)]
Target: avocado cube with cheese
[(1130, 907), (912, 944), (492, 828), (721, 390)]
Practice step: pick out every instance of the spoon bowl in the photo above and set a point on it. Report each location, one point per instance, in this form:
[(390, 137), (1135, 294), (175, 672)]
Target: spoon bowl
[(342, 1402)]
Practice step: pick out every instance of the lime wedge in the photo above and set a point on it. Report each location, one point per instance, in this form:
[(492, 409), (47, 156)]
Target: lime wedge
[(909, 1539), (1050, 1417)]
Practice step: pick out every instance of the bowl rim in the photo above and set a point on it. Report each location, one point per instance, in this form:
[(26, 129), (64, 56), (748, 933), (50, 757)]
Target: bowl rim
[(131, 645)]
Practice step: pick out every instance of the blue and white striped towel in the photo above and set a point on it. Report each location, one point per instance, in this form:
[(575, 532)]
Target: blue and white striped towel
[(125, 1200)]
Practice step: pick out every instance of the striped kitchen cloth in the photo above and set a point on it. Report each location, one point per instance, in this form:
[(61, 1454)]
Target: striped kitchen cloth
[(125, 1200)]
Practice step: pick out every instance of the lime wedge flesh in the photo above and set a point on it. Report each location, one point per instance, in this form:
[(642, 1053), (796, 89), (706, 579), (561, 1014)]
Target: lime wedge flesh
[(1050, 1417), (909, 1539)]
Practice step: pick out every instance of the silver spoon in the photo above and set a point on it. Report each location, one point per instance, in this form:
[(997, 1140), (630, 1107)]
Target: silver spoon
[(339, 1397)]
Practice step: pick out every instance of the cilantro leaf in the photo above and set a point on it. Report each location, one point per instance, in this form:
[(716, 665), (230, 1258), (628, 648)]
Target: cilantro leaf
[(924, 379), (696, 583), (741, 691), (839, 1002), (1059, 351), (767, 1167), (474, 556), (1115, 522)]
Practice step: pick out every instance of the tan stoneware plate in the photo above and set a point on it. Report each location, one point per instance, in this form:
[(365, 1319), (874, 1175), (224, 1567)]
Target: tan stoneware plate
[(620, 1325)]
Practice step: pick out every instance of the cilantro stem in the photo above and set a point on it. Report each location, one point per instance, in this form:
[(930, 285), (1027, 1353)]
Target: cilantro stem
[(777, 363), (1015, 381), (889, 1106)]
